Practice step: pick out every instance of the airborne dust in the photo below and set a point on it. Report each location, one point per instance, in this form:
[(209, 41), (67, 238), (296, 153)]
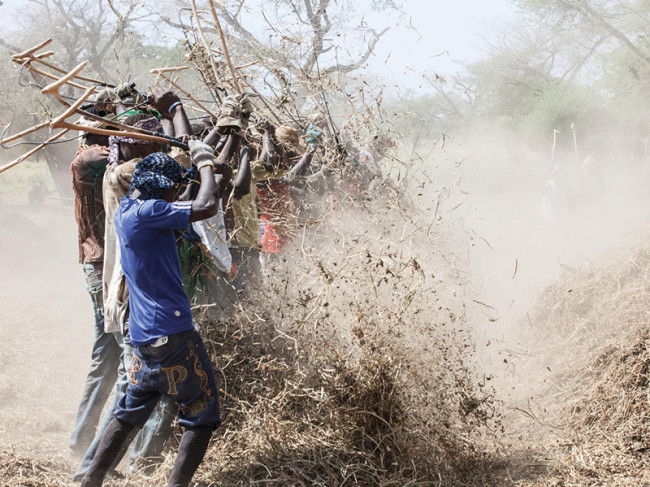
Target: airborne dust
[(478, 234), (482, 192)]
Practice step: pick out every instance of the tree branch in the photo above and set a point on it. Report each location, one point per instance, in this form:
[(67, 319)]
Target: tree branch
[(346, 68)]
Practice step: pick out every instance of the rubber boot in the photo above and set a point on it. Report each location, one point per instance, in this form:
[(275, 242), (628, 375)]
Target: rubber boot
[(193, 445), (115, 435)]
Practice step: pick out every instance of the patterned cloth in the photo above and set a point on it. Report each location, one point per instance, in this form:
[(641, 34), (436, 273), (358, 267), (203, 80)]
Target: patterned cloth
[(151, 124), (87, 171), (159, 171), (195, 264)]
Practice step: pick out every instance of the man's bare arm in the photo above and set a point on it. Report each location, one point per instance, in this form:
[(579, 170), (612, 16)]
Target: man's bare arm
[(205, 204)]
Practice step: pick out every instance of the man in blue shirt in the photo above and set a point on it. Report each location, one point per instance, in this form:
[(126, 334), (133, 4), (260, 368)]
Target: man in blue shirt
[(170, 357)]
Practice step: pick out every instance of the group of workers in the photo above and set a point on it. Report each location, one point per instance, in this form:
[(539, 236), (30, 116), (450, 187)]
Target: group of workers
[(154, 223)]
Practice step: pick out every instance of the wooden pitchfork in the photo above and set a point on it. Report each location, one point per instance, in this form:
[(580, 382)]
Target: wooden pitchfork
[(56, 136), (30, 55), (127, 131), (61, 122)]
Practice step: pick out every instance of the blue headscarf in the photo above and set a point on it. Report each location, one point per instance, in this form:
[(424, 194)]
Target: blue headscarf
[(156, 172)]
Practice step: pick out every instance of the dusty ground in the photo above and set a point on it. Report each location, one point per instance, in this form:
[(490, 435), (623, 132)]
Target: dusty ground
[(45, 326)]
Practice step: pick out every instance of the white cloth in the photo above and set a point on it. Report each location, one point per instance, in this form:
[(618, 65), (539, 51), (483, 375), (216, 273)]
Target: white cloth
[(213, 235), (116, 293)]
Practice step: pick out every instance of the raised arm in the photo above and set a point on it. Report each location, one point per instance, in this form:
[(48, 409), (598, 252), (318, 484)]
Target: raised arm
[(217, 137), (269, 154), (300, 167), (243, 181), (205, 204), (171, 109)]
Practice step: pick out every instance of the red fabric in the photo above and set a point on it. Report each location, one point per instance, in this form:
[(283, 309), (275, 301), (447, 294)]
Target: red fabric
[(276, 213)]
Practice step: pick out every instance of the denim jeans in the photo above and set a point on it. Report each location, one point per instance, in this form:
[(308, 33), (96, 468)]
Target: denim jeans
[(149, 442), (102, 375), (181, 369)]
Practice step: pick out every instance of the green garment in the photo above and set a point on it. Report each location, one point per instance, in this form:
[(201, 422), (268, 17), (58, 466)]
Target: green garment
[(196, 268)]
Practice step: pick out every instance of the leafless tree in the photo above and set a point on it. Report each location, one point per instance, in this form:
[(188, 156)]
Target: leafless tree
[(295, 43), (81, 30)]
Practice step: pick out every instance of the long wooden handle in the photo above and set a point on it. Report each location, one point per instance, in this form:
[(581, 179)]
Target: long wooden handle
[(53, 88), (29, 55), (225, 47), (33, 151), (33, 68), (25, 132), (30, 52), (62, 123), (208, 51), (168, 70)]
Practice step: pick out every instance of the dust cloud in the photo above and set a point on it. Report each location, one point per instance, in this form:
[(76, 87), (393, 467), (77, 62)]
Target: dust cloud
[(488, 189), (501, 196), (46, 324)]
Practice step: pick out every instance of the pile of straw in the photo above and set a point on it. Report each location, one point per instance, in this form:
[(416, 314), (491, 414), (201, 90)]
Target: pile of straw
[(599, 319), (30, 472), (349, 364)]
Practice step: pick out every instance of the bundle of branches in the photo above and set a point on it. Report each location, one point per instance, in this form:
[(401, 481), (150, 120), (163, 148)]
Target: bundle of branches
[(601, 315)]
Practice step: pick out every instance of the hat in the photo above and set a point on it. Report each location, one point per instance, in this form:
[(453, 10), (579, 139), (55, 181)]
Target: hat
[(230, 113), (105, 100), (287, 135)]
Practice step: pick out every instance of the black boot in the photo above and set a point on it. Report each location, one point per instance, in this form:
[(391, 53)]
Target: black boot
[(115, 435), (193, 445)]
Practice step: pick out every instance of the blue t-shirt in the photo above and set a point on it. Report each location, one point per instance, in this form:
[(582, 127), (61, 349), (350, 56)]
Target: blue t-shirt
[(157, 300)]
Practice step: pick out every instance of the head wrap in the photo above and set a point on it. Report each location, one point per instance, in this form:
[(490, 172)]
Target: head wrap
[(152, 124), (156, 172)]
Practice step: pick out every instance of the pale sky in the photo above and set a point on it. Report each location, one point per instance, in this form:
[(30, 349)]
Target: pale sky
[(435, 35), (432, 35)]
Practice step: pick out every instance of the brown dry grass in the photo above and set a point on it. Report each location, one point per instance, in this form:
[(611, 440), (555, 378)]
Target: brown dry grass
[(23, 471), (352, 364), (599, 321), (349, 365)]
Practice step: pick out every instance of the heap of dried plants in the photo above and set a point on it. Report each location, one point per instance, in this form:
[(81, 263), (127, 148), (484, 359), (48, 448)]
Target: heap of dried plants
[(600, 405)]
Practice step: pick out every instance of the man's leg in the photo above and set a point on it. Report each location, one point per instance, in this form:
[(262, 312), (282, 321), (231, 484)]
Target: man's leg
[(132, 411), (193, 445), (109, 448), (197, 396), (149, 442), (118, 392), (148, 445), (102, 374)]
